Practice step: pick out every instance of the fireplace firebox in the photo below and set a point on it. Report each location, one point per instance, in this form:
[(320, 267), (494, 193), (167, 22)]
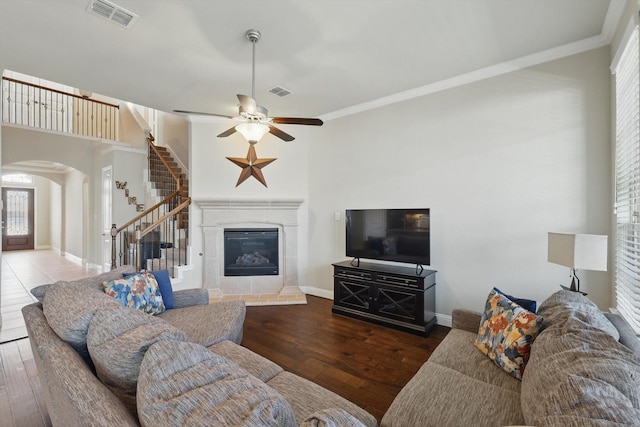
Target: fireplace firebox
[(251, 252)]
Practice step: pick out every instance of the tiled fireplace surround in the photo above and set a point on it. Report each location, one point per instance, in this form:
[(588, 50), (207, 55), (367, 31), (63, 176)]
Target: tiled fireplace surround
[(218, 214)]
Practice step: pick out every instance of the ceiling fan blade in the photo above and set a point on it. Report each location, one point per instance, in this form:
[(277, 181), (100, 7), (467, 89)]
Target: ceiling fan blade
[(248, 104), (227, 132), (202, 114), (297, 121), (280, 134)]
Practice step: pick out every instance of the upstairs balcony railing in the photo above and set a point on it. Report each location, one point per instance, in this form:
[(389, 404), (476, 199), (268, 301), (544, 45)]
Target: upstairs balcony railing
[(32, 105)]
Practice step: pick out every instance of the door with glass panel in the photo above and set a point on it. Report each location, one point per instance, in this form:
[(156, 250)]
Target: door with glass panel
[(17, 219)]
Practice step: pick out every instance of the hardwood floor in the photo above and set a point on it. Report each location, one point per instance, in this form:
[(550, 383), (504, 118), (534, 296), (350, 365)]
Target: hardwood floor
[(21, 402), (365, 363)]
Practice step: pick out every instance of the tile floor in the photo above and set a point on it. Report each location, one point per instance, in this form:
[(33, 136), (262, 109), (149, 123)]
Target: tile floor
[(22, 271)]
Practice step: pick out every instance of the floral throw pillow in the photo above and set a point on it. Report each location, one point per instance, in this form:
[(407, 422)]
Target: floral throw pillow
[(139, 291), (506, 333)]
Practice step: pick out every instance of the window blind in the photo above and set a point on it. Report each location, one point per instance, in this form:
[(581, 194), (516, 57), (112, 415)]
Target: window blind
[(627, 179)]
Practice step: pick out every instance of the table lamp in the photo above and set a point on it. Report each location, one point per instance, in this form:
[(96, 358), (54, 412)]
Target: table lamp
[(584, 251)]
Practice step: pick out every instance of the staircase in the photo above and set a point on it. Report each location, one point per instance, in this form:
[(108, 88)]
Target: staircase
[(162, 180), (158, 238)]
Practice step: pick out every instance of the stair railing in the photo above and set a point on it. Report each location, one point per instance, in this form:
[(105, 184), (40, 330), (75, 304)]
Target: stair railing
[(32, 105), (156, 238)]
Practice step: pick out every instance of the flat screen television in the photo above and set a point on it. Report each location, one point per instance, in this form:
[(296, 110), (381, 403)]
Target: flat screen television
[(400, 235)]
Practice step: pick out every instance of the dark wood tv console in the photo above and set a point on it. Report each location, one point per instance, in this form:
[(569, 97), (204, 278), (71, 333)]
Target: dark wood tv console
[(398, 297)]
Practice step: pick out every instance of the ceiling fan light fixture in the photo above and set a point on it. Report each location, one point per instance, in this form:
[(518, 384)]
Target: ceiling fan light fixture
[(252, 132)]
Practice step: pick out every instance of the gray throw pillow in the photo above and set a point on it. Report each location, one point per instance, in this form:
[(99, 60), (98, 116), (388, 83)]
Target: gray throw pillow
[(69, 307), (183, 383), (579, 376), (564, 304), (90, 282), (118, 340)]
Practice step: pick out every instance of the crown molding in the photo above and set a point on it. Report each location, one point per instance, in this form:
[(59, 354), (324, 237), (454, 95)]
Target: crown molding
[(614, 14)]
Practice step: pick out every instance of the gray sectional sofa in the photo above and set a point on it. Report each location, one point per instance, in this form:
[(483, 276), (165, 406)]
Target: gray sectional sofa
[(584, 370), (103, 364)]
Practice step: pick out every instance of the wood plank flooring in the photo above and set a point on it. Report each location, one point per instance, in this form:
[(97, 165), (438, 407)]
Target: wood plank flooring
[(365, 363)]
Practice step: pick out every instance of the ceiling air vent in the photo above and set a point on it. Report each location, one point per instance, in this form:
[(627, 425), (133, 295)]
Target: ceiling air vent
[(112, 12), (280, 91)]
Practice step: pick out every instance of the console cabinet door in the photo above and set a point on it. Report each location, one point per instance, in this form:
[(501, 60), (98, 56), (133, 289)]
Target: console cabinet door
[(398, 304), (352, 293)]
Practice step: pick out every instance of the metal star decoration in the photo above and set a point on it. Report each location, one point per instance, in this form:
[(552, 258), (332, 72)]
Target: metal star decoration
[(251, 166)]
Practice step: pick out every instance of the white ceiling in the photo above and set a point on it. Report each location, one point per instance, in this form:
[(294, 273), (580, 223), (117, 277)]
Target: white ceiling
[(336, 56)]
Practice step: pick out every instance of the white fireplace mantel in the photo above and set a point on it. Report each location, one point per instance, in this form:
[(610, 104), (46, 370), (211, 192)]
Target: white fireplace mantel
[(218, 214)]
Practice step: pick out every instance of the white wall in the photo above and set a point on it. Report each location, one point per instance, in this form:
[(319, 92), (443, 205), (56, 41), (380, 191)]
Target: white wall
[(211, 175), (500, 163), (41, 213), (174, 132), (74, 222), (55, 214)]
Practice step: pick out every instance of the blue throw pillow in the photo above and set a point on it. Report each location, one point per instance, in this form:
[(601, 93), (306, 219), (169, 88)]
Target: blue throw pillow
[(527, 304), (164, 284)]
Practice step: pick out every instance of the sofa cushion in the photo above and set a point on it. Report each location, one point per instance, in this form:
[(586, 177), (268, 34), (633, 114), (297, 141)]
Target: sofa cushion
[(138, 290), (90, 282), (185, 384), (117, 341), (506, 333), (211, 323), (332, 417), (258, 366), (458, 352), (439, 396), (69, 307), (564, 304), (579, 375), (307, 398)]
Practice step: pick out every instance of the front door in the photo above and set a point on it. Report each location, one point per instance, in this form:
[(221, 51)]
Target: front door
[(17, 219)]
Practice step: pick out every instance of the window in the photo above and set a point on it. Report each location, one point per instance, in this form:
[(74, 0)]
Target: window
[(627, 178), (18, 178)]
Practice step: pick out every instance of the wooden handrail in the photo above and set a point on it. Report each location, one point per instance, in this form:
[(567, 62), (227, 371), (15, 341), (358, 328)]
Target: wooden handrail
[(165, 216), (148, 211), (60, 92)]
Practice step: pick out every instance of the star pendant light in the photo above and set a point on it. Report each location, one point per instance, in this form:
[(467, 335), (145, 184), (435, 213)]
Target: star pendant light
[(251, 166)]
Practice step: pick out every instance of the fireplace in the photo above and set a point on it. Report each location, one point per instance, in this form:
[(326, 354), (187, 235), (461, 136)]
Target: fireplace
[(251, 252), (219, 215)]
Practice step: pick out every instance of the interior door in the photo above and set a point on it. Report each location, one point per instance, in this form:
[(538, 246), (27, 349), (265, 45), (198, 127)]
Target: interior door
[(17, 219)]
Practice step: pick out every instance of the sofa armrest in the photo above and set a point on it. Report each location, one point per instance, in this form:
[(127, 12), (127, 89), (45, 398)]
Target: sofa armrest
[(627, 336), (466, 320), (189, 297)]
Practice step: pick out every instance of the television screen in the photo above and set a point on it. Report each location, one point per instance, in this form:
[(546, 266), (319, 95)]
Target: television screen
[(400, 235)]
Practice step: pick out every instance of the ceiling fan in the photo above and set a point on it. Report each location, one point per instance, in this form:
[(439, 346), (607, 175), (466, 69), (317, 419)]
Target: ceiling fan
[(255, 118)]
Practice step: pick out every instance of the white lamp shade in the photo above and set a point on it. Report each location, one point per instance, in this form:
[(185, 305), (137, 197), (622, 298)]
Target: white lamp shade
[(252, 132), (579, 251)]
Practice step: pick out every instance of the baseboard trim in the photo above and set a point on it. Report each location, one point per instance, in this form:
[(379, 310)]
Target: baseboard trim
[(441, 319), (317, 292), (74, 259)]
